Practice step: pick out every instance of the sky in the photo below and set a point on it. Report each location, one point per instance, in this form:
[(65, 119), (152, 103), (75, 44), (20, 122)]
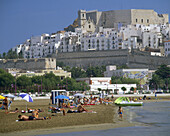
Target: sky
[(21, 19)]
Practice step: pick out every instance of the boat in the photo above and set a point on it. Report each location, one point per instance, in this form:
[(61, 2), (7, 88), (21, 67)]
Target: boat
[(124, 101)]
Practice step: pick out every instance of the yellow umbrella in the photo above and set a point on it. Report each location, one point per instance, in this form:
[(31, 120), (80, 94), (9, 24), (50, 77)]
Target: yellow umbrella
[(2, 97)]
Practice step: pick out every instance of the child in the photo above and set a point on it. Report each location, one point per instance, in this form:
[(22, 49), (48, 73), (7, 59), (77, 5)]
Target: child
[(120, 112)]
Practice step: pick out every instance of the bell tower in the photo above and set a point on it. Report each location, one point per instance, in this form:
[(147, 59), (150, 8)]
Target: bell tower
[(81, 18)]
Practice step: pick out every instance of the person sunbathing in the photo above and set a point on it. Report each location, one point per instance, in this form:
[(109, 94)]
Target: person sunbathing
[(35, 113), (15, 111), (81, 108), (30, 110), (55, 110), (24, 118)]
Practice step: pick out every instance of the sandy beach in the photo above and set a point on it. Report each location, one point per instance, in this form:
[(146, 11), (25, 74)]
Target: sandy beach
[(105, 118)]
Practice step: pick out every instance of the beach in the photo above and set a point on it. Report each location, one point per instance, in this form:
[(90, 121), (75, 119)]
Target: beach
[(106, 118)]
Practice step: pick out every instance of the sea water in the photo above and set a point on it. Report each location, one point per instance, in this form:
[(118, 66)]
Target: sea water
[(155, 117)]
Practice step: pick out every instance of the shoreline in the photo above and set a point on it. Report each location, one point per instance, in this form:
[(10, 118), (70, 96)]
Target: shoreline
[(68, 129)]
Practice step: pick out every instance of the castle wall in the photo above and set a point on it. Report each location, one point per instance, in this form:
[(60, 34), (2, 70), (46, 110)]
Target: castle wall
[(137, 59), (29, 64), (113, 17), (145, 60), (93, 58)]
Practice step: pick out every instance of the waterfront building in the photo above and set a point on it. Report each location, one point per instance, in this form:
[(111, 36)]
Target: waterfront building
[(104, 83)]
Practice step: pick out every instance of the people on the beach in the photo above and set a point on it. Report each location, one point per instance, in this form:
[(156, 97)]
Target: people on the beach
[(120, 112), (24, 117), (35, 113), (5, 103), (55, 109), (81, 108), (15, 111)]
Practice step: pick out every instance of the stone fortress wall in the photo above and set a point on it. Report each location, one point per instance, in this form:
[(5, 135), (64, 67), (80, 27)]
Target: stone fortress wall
[(135, 59), (93, 58), (29, 64)]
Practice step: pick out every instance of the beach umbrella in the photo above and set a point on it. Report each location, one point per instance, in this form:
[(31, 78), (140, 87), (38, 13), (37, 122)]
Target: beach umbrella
[(2, 97), (61, 97), (9, 95), (79, 95), (26, 97)]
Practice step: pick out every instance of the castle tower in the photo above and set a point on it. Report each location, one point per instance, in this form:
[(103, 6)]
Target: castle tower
[(81, 17)]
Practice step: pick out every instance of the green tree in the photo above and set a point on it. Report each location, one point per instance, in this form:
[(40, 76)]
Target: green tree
[(4, 55), (60, 64), (132, 89), (95, 71), (156, 82), (163, 72), (24, 81), (37, 79), (121, 80), (77, 72), (11, 55), (6, 79), (99, 89), (123, 89)]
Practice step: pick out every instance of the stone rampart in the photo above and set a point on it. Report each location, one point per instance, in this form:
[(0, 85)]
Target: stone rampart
[(137, 59), (140, 59), (93, 58), (29, 64)]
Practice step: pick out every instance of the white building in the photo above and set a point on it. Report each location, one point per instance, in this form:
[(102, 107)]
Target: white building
[(113, 88), (167, 47), (104, 83)]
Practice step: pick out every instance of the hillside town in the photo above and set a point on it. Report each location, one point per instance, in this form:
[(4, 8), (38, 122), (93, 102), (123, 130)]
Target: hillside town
[(90, 33)]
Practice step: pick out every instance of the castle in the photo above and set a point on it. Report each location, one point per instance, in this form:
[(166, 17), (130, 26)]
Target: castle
[(91, 21)]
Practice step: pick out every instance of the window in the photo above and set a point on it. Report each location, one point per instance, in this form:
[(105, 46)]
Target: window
[(83, 15), (147, 20), (136, 20), (89, 26), (141, 20)]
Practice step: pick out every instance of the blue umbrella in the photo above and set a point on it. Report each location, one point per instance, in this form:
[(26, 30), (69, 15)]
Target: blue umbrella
[(61, 97), (26, 97)]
